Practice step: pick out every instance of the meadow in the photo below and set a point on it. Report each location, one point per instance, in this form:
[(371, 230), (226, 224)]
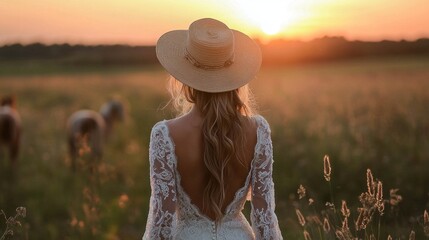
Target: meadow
[(365, 114)]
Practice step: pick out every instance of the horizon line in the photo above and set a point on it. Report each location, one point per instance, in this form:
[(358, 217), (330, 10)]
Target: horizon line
[(259, 40)]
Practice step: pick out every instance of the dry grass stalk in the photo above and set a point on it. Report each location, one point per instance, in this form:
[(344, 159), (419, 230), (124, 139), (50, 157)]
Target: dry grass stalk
[(326, 225), (426, 217), (314, 219), (412, 235), (344, 209), (301, 191), (307, 235), (12, 222), (301, 218), (327, 168), (345, 225), (426, 223), (372, 237)]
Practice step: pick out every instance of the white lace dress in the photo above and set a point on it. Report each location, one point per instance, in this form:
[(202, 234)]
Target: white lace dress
[(173, 216)]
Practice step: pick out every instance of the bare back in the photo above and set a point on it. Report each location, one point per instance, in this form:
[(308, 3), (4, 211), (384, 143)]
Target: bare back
[(186, 132)]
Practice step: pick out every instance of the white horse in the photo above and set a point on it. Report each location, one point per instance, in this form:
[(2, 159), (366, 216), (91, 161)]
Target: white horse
[(10, 128), (87, 129)]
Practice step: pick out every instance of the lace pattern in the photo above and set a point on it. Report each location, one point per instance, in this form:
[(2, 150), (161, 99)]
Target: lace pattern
[(173, 216), (162, 210)]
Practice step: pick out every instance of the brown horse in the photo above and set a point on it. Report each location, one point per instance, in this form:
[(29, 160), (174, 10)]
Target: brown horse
[(87, 129), (10, 128)]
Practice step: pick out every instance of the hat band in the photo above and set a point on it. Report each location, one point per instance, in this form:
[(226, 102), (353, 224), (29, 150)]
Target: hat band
[(197, 64)]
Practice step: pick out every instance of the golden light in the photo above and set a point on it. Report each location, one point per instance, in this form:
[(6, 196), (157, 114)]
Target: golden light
[(275, 16)]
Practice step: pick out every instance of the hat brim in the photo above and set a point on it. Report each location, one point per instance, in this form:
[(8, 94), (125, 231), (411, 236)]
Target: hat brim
[(171, 49)]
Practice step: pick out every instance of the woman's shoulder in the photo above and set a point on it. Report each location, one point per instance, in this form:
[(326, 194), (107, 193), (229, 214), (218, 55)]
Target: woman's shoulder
[(261, 122), (159, 128)]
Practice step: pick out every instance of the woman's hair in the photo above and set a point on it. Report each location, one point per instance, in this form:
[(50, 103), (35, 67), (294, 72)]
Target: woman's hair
[(224, 116)]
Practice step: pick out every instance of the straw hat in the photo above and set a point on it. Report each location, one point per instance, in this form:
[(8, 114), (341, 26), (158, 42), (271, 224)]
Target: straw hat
[(209, 56)]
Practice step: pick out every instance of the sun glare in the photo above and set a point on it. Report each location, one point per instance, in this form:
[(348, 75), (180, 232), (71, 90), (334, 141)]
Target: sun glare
[(273, 17)]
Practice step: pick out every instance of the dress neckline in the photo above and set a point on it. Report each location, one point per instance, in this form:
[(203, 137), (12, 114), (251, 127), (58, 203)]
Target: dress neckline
[(179, 178)]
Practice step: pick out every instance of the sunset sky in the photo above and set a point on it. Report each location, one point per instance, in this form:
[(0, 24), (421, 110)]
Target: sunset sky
[(142, 22)]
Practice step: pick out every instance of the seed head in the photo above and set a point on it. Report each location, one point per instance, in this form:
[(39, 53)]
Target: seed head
[(326, 225), (327, 168), (307, 235), (379, 195), (344, 209), (340, 235), (395, 198), (370, 182)]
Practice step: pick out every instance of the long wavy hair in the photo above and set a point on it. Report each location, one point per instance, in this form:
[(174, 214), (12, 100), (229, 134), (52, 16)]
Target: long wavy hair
[(224, 116)]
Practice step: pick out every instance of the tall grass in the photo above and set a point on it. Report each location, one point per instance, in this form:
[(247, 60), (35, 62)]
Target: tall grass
[(364, 114), (370, 220)]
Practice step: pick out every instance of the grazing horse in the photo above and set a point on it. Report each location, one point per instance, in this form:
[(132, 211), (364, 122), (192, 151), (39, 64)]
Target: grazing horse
[(10, 127), (87, 129)]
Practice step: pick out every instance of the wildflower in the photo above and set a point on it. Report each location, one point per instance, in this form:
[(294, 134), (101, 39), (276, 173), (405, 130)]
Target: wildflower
[(389, 237), (307, 235), (310, 201), (301, 218), (326, 225), (301, 191), (327, 168), (344, 210)]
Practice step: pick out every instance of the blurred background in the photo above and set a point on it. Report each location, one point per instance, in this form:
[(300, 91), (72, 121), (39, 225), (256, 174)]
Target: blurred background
[(348, 79)]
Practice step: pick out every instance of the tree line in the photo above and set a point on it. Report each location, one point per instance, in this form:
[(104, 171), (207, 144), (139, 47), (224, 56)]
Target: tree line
[(275, 52)]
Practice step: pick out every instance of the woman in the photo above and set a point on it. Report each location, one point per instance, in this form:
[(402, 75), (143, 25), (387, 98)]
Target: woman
[(205, 163)]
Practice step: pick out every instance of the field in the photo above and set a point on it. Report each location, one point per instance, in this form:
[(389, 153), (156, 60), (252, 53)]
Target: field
[(363, 114)]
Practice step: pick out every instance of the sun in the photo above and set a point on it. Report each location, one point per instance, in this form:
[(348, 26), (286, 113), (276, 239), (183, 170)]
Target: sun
[(270, 29), (272, 16)]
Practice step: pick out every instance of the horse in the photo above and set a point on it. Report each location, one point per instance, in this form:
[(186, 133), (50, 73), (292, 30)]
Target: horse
[(10, 128), (88, 129)]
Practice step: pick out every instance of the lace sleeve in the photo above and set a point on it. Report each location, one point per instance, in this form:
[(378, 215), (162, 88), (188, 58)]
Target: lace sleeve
[(263, 218), (162, 208)]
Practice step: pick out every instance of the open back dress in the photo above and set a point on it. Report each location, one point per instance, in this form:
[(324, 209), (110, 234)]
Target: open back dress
[(172, 215)]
